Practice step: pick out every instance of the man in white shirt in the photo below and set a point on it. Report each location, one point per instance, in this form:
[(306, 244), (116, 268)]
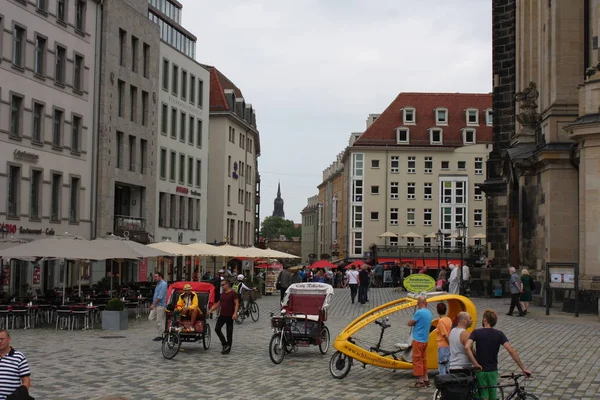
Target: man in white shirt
[(466, 279), (352, 278)]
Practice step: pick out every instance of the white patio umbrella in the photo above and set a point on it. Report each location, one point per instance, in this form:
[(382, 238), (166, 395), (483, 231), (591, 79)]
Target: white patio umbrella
[(270, 253), (412, 235), (206, 250), (478, 236), (175, 249), (432, 235), (388, 235), (69, 247)]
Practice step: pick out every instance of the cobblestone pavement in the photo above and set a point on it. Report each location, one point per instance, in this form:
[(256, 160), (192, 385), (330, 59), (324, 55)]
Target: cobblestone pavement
[(562, 351)]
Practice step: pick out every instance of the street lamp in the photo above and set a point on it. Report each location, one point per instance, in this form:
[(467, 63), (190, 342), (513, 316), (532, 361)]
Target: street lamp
[(462, 235), (439, 239)]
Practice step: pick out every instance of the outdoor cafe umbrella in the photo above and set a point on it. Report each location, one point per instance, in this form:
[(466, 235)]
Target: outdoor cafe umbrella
[(387, 235), (69, 247), (478, 236), (321, 264), (270, 253), (412, 235)]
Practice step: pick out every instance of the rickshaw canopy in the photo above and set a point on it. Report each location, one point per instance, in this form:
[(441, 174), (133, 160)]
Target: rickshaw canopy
[(307, 289), (197, 287)]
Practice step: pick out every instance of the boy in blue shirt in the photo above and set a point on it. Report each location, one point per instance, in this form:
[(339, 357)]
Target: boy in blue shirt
[(421, 321)]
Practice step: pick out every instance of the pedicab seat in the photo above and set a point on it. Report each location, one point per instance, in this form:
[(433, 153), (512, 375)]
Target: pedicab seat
[(203, 298), (402, 346)]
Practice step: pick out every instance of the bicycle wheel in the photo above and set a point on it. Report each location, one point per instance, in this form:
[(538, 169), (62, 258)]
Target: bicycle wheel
[(437, 395), (277, 349), (339, 365), (206, 336), (525, 396), (171, 345), (324, 345), (240, 317), (254, 311)]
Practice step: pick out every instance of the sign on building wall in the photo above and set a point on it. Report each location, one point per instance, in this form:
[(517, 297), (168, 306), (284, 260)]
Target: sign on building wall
[(562, 276)]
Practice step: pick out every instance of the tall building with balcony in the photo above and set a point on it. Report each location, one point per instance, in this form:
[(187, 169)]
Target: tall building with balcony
[(310, 230), (233, 179), (332, 196), (417, 169), (128, 81), (182, 109)]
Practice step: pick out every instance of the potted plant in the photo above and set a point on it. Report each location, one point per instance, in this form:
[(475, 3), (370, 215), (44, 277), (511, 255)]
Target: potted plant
[(114, 316)]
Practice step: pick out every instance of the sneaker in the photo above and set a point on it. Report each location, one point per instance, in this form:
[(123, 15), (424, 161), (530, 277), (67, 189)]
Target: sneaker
[(226, 350), (191, 329), (158, 339), (509, 314)]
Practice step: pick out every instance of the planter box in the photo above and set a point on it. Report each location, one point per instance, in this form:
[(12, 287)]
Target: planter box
[(114, 320)]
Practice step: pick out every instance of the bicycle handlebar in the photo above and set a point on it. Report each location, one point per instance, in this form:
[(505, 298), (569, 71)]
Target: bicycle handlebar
[(383, 324), (515, 376)]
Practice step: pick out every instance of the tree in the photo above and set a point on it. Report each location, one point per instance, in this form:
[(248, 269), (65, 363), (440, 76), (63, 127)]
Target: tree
[(273, 227)]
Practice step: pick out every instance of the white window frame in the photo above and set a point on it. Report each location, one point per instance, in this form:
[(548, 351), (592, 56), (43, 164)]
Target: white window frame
[(431, 131), (489, 113), (394, 185), (396, 169), (410, 242), (411, 186), (398, 132), (478, 213), (410, 222), (426, 242), (413, 160), (468, 113), (357, 217), (414, 116), (476, 196), (371, 215), (428, 196), (394, 221), (439, 122), (478, 171), (477, 242), (464, 134), (394, 241), (375, 193), (427, 211), (428, 170)]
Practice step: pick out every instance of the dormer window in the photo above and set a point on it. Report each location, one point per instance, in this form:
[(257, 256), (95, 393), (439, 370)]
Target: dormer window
[(435, 136), (402, 135), (489, 117), (472, 115), (409, 115), (468, 136), (441, 116)]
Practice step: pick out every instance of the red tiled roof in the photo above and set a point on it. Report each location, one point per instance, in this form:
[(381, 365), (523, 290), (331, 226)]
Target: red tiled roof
[(218, 84), (383, 131)]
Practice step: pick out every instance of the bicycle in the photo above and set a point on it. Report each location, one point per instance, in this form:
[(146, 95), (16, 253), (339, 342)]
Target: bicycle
[(248, 310), (519, 392)]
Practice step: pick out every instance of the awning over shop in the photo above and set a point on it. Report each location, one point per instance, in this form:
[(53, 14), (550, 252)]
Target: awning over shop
[(419, 262)]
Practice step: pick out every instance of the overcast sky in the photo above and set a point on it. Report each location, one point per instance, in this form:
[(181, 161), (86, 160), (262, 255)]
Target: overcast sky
[(315, 69)]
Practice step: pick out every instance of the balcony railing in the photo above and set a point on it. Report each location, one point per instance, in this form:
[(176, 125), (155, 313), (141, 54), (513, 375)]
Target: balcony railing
[(127, 223), (475, 253)]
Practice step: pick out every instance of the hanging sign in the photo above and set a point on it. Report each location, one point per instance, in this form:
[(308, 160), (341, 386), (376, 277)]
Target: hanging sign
[(36, 275), (418, 283)]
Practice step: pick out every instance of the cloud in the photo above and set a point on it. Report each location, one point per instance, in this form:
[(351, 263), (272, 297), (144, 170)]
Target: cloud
[(314, 70)]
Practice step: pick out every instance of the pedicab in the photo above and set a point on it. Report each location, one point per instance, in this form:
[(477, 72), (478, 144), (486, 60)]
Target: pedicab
[(178, 330), (301, 322), (353, 345)]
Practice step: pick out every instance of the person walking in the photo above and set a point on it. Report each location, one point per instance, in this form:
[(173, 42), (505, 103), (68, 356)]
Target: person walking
[(488, 341), (15, 375), (466, 272), (352, 277), (157, 308), (528, 288), (284, 280), (459, 360), (516, 288), (421, 321), (453, 280), (228, 305), (444, 326)]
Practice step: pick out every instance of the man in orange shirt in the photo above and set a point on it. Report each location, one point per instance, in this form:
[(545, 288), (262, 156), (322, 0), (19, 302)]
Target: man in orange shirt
[(444, 326)]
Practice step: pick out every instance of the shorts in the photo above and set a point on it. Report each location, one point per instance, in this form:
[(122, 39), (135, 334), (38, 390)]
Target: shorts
[(487, 379), (419, 354)]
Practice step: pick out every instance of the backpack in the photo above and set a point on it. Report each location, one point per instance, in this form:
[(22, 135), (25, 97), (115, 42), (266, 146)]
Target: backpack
[(532, 284)]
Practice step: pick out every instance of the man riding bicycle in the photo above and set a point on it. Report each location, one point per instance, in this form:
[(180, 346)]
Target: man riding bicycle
[(240, 287)]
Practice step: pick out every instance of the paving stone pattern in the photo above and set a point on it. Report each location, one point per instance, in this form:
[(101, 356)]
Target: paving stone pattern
[(560, 350)]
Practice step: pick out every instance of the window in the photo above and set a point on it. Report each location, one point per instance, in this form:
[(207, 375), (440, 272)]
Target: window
[(469, 136), (198, 173), (39, 65), (134, 53), (411, 190), (197, 214), (489, 117), (231, 135), (249, 147), (445, 165), (80, 15), (121, 94), (408, 115), (192, 89), (133, 103), (190, 219), (427, 242), (190, 177), (162, 208), (174, 123), (427, 217), (410, 217), (184, 84), (478, 218), (357, 191), (357, 164), (16, 116), (163, 163), (38, 122), (164, 119), (410, 242), (78, 69), (119, 151), (175, 80), (357, 243), (412, 163), (393, 242), (478, 195), (144, 108), (35, 194), (56, 197), (394, 190), (394, 164), (229, 166), (182, 130), (393, 216), (375, 189), (428, 165), (74, 200), (76, 134), (199, 134), (477, 242), (228, 195), (441, 116), (173, 211), (374, 216), (472, 116), (61, 11), (182, 212), (132, 152), (19, 39), (241, 143), (165, 74), (57, 128), (14, 191), (146, 59), (478, 166), (402, 135), (200, 93), (428, 191), (173, 166), (462, 165), (357, 216), (143, 155), (191, 130), (122, 38), (181, 168), (435, 136), (42, 5)]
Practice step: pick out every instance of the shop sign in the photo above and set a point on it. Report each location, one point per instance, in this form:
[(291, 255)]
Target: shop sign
[(6, 275), (181, 189), (12, 229), (36, 275), (26, 156), (8, 228), (195, 193)]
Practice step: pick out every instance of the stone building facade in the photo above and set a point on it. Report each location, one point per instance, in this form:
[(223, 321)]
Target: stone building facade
[(310, 230), (332, 199)]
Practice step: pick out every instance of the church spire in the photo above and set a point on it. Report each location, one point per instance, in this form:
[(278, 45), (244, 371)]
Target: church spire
[(278, 204)]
